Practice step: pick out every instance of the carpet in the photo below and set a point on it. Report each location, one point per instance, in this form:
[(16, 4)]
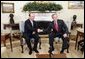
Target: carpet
[(54, 55)]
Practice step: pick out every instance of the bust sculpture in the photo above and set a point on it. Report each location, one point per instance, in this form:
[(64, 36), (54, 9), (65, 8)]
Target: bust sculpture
[(11, 19), (73, 24)]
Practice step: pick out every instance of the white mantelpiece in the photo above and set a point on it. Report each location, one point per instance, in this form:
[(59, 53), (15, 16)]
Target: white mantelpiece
[(46, 16)]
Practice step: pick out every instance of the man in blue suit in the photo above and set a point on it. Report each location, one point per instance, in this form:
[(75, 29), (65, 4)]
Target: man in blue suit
[(30, 31)]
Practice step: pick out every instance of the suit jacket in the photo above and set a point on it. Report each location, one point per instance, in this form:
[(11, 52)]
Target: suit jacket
[(62, 27), (28, 28)]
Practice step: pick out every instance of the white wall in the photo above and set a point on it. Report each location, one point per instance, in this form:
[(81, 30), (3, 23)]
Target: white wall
[(18, 15), (65, 14)]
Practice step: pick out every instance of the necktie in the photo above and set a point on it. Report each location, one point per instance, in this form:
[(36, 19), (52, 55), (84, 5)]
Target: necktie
[(32, 23), (56, 26)]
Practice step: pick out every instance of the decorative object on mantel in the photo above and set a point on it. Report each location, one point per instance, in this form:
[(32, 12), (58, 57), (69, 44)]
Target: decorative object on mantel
[(11, 19), (42, 7)]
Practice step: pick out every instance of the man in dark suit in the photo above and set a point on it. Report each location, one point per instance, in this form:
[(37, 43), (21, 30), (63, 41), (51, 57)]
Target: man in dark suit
[(58, 29), (30, 31)]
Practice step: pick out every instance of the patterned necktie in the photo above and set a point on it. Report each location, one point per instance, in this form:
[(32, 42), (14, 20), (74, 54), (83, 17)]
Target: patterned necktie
[(56, 26)]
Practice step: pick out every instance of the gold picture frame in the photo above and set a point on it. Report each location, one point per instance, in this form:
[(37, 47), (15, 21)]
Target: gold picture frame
[(75, 4), (7, 7)]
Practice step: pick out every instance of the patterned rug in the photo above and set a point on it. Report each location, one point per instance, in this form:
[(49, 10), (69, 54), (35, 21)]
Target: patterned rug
[(53, 56)]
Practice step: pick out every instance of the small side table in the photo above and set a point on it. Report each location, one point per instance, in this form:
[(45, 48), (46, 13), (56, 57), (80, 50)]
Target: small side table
[(80, 32)]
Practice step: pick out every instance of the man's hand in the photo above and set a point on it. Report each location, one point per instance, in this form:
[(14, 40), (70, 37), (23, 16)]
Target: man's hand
[(65, 35), (33, 33), (39, 30)]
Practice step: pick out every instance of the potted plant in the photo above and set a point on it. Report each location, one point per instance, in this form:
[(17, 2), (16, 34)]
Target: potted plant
[(41, 7)]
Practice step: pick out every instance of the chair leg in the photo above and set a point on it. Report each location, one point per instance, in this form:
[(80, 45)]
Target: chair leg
[(39, 43), (82, 50), (22, 49), (22, 45), (4, 42), (56, 42), (78, 47), (68, 44), (67, 50)]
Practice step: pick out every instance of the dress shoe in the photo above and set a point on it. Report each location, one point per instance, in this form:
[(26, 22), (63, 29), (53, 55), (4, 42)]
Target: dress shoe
[(61, 51), (51, 49), (36, 50), (30, 52)]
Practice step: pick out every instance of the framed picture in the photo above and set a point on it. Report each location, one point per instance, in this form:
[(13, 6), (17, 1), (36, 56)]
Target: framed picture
[(7, 7), (75, 4)]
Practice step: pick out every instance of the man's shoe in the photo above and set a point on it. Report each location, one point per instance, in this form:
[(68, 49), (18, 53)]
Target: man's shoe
[(36, 51), (61, 51), (51, 49), (30, 52)]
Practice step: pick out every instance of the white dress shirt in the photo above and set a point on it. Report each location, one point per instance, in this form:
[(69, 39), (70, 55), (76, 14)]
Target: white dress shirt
[(31, 22)]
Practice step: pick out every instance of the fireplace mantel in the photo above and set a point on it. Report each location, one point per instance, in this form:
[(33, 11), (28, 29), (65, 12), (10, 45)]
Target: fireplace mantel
[(46, 16)]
